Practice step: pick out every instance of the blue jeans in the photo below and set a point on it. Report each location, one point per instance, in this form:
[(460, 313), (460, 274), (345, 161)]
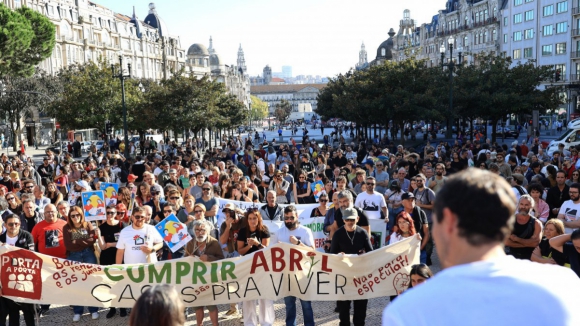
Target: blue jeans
[(291, 311), (84, 256), (423, 257)]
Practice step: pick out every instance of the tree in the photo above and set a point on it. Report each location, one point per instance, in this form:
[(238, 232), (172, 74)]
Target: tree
[(26, 38), (258, 109), (283, 110), (21, 96)]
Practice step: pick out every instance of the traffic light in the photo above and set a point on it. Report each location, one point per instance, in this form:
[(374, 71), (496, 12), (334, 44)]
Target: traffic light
[(108, 127), (557, 75)]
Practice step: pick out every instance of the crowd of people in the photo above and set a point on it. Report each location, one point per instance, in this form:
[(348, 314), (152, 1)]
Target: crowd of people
[(41, 205)]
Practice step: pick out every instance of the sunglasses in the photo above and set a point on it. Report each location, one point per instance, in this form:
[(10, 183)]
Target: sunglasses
[(205, 189), (111, 213), (198, 211), (13, 224), (174, 198), (323, 200), (75, 215), (11, 198), (121, 213), (370, 183)]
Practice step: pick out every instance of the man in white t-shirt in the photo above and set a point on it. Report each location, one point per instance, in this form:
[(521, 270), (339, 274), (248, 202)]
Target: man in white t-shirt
[(372, 202), (138, 240), (479, 284), (299, 235), (570, 211)]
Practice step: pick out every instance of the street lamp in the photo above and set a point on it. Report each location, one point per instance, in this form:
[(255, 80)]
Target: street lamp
[(122, 77), (451, 67)]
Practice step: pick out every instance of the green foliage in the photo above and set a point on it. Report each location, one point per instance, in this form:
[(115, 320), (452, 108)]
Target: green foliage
[(259, 109), (26, 39), (408, 91), (283, 110)]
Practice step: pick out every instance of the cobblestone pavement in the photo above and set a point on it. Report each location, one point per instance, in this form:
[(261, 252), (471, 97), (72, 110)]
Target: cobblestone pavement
[(324, 314)]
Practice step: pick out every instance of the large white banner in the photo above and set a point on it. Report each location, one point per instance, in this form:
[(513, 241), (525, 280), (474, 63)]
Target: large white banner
[(378, 227), (274, 272)]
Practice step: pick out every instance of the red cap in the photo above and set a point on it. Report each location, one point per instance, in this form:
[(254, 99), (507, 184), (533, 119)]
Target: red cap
[(132, 177)]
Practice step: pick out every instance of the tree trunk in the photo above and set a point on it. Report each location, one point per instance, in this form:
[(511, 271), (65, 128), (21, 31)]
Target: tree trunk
[(493, 130)]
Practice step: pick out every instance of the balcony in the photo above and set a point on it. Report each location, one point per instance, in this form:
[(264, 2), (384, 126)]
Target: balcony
[(574, 78), (575, 54), (576, 32), (576, 11)]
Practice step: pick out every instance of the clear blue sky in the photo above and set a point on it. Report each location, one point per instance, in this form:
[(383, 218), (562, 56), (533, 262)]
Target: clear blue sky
[(315, 37)]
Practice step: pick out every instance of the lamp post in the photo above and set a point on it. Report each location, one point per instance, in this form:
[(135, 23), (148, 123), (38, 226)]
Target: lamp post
[(122, 77), (451, 67)]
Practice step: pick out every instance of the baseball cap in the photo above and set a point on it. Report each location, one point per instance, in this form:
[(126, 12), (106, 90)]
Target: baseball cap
[(349, 213), (132, 178), (407, 195), (83, 184)]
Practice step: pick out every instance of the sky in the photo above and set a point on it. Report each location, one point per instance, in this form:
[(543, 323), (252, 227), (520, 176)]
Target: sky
[(315, 37)]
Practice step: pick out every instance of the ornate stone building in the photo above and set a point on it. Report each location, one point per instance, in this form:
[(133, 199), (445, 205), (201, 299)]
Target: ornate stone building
[(472, 24)]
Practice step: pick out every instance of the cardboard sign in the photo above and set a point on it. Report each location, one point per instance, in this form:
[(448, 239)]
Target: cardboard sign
[(94, 205), (173, 232), (111, 190)]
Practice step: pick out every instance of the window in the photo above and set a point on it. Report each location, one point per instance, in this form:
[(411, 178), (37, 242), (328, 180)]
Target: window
[(528, 53), (505, 21), (548, 10), (548, 30), (561, 27), (529, 15), (562, 69), (547, 49), (505, 38), (561, 48), (529, 1), (518, 2), (517, 18), (517, 36), (517, 54), (494, 35), (529, 34), (561, 7)]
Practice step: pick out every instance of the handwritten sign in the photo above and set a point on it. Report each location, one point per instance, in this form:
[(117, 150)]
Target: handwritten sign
[(173, 232), (94, 205)]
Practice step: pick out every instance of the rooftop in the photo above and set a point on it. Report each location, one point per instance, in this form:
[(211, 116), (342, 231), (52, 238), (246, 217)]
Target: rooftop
[(265, 89)]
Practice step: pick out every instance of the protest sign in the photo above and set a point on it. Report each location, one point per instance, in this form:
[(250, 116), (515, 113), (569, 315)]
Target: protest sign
[(173, 232), (111, 190), (94, 205), (317, 189), (272, 273)]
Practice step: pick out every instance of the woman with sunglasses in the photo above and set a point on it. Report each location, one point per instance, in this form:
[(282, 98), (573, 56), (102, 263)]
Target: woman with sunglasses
[(79, 239), (302, 192), (321, 210), (108, 235), (14, 204), (53, 194), (252, 237), (575, 178)]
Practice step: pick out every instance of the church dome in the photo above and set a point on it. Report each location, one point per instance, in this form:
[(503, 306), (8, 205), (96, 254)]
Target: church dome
[(215, 60), (155, 21), (198, 49), (385, 50)]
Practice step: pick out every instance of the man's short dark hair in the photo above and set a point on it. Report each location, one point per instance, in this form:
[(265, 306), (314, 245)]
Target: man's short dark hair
[(290, 209), (575, 185), (575, 234), (464, 193)]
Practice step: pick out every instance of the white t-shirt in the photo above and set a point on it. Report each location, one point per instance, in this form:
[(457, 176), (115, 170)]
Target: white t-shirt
[(504, 291), (11, 241), (371, 204), (131, 241), (571, 211), (301, 232)]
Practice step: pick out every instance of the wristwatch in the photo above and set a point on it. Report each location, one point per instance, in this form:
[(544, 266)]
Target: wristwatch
[(298, 243)]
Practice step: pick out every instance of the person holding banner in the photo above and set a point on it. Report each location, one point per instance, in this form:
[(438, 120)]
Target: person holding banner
[(360, 244), (138, 242), (208, 249), (298, 235), (271, 211), (79, 239), (251, 238), (469, 238)]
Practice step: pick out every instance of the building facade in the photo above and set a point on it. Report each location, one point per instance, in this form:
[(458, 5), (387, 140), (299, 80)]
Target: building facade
[(296, 94)]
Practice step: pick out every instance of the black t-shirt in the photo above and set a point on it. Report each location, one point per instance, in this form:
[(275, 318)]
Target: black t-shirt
[(419, 219), (111, 234), (363, 220), (339, 161), (356, 242), (259, 235), (547, 251), (573, 257)]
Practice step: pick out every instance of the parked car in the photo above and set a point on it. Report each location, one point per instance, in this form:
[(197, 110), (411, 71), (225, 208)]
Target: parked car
[(99, 144), (85, 146), (507, 132)]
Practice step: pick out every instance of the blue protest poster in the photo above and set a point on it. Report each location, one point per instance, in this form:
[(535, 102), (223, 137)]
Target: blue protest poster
[(173, 232), (111, 190), (94, 205)]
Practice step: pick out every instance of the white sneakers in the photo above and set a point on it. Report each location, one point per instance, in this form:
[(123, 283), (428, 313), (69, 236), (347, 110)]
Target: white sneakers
[(94, 315)]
